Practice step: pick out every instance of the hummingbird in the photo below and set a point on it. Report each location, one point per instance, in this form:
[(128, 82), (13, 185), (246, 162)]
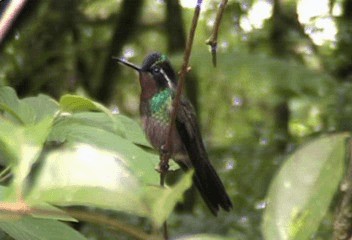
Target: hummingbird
[(158, 82)]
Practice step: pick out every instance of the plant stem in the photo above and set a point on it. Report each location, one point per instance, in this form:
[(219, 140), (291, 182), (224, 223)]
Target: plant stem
[(166, 154), (213, 39)]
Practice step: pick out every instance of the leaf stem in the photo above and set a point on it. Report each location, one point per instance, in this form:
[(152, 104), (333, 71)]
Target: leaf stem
[(165, 156)]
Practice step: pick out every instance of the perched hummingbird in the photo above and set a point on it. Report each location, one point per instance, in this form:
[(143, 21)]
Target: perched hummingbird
[(159, 83)]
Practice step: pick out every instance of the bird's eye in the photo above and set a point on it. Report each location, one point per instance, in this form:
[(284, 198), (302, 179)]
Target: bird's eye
[(155, 70)]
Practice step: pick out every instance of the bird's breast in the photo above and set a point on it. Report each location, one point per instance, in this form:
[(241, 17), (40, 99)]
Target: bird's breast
[(157, 132)]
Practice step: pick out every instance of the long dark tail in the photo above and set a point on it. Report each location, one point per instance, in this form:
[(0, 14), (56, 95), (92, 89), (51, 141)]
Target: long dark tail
[(210, 187), (205, 178)]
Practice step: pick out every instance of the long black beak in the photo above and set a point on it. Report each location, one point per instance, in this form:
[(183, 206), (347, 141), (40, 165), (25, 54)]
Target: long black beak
[(131, 65)]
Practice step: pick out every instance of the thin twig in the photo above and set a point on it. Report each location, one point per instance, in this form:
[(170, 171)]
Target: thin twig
[(213, 39), (164, 165), (113, 223), (9, 16), (343, 218), (165, 156)]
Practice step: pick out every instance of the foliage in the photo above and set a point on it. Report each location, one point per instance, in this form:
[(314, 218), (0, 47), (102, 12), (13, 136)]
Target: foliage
[(301, 193), (85, 159), (90, 158), (275, 116)]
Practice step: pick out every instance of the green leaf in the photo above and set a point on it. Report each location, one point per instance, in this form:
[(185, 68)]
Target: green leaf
[(29, 110), (29, 141), (117, 123), (74, 103), (86, 175), (22, 144), (29, 228), (99, 165), (137, 158), (301, 193), (168, 198), (15, 110), (132, 130), (81, 174), (43, 106), (86, 125), (51, 212), (120, 125), (9, 136), (64, 123)]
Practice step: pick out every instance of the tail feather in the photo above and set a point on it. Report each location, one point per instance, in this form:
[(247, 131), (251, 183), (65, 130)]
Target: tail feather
[(211, 188), (205, 178)]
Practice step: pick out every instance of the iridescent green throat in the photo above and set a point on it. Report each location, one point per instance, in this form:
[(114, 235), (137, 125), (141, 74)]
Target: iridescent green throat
[(160, 105)]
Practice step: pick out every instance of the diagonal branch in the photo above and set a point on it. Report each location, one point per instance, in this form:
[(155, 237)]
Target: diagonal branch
[(164, 161), (165, 156), (9, 16)]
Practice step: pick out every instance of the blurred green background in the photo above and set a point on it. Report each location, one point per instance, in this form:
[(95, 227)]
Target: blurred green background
[(283, 76)]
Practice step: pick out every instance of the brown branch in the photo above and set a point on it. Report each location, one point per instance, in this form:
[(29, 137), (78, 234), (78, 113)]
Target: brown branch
[(213, 39), (9, 16), (165, 156), (343, 218), (113, 223), (164, 163)]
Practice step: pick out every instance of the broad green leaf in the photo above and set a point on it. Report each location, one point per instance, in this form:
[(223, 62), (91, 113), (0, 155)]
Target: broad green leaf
[(92, 119), (133, 131), (15, 110), (203, 237), (29, 110), (43, 106), (29, 228), (167, 198), (99, 162), (72, 127), (301, 193), (51, 212), (29, 142), (120, 125), (75, 103), (136, 158), (85, 175), (9, 147)]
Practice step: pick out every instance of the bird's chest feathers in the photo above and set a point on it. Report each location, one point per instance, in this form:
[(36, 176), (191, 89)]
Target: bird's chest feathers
[(160, 106)]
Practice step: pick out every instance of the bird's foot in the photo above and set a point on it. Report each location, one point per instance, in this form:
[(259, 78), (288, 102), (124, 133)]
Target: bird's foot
[(164, 160)]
